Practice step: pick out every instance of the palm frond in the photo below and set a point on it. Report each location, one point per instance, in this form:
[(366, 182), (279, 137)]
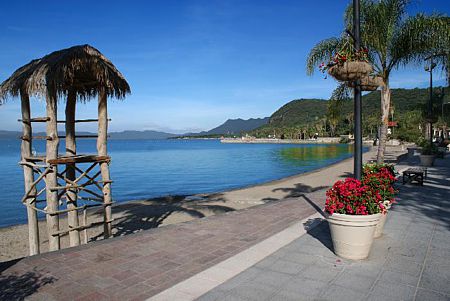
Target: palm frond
[(341, 93), (420, 36), (321, 51)]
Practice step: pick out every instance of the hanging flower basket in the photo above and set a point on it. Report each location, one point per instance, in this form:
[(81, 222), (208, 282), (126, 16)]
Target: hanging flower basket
[(368, 83), (347, 63), (350, 71)]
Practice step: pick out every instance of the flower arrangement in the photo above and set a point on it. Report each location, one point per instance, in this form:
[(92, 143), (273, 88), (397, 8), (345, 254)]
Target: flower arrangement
[(353, 197), (381, 178), (346, 54), (387, 171)]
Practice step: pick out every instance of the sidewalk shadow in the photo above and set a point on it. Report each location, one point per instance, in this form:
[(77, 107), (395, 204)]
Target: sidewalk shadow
[(18, 287), (318, 228)]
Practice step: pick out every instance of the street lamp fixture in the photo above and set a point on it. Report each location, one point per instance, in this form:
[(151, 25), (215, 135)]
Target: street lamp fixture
[(429, 68)]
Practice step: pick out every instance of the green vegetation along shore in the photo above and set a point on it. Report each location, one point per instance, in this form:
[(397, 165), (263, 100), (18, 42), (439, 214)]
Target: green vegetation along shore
[(303, 118)]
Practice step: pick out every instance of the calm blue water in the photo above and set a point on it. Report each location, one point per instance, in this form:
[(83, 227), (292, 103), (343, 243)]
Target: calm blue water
[(150, 168)]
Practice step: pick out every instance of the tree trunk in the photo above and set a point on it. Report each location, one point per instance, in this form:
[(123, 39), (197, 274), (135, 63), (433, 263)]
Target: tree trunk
[(102, 151), (71, 150), (51, 178), (33, 228), (385, 106)]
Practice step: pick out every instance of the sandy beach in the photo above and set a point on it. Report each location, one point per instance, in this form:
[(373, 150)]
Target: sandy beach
[(139, 215)]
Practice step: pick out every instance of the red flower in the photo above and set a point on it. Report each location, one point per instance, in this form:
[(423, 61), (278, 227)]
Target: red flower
[(351, 197)]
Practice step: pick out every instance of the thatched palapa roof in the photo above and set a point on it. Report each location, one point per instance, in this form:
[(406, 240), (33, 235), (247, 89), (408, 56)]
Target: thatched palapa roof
[(82, 69)]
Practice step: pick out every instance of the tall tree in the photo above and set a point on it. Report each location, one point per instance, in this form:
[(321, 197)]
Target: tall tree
[(394, 40)]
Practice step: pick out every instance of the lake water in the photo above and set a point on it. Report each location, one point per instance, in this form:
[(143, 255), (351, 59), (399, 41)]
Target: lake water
[(144, 169)]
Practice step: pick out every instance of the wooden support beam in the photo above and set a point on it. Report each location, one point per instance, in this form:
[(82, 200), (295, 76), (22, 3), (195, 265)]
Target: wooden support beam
[(29, 138), (85, 222), (81, 120), (80, 136), (71, 150), (52, 178), (32, 186), (92, 193), (103, 151), (28, 174), (84, 173), (80, 159), (89, 199), (45, 119), (35, 209), (89, 177), (37, 119), (79, 228)]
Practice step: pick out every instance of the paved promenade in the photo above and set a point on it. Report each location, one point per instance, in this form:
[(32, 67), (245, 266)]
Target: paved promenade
[(410, 262)]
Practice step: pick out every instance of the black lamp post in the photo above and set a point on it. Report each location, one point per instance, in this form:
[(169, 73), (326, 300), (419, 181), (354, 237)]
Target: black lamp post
[(429, 68), (441, 95), (357, 165)]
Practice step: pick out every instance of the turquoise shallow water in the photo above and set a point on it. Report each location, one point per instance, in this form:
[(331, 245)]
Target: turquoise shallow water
[(150, 168)]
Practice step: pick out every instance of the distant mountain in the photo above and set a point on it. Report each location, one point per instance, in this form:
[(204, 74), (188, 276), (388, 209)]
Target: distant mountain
[(128, 135), (9, 134), (230, 127), (125, 135), (233, 127)]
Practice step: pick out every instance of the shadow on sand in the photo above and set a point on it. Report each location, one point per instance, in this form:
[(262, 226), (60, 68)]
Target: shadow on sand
[(151, 213)]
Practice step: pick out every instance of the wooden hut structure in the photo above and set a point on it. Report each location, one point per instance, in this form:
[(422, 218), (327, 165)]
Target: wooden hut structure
[(74, 74)]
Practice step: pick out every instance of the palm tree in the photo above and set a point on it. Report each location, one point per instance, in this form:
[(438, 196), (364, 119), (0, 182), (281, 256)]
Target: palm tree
[(333, 116), (394, 40)]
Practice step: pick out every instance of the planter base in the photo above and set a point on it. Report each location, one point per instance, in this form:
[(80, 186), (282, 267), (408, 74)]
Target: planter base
[(380, 226), (352, 235), (427, 160)]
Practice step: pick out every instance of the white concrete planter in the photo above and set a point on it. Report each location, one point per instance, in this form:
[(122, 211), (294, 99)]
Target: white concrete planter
[(427, 160), (352, 235), (380, 226)]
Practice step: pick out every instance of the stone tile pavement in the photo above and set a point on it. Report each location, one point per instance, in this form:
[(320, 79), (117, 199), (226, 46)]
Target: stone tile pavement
[(411, 261), (141, 265)]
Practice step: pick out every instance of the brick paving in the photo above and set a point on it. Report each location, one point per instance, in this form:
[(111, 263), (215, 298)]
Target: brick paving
[(411, 261), (141, 265)]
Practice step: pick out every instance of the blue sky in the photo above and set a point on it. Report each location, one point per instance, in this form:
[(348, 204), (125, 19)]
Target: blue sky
[(190, 64)]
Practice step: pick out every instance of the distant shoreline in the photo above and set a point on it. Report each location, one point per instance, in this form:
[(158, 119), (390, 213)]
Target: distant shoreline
[(333, 140)]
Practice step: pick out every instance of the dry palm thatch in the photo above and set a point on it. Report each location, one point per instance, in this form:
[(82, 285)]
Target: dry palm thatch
[(82, 69)]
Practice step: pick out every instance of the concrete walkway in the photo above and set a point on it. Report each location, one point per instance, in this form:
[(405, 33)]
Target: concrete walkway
[(410, 262)]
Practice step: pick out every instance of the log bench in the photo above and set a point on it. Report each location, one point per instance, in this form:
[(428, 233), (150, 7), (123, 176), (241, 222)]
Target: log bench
[(414, 174)]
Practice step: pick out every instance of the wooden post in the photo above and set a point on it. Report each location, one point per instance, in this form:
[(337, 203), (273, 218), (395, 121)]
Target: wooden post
[(33, 227), (103, 151), (71, 150), (52, 178)]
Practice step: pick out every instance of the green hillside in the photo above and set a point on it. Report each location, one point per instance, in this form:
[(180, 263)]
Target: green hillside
[(403, 100), (299, 111), (309, 116)]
